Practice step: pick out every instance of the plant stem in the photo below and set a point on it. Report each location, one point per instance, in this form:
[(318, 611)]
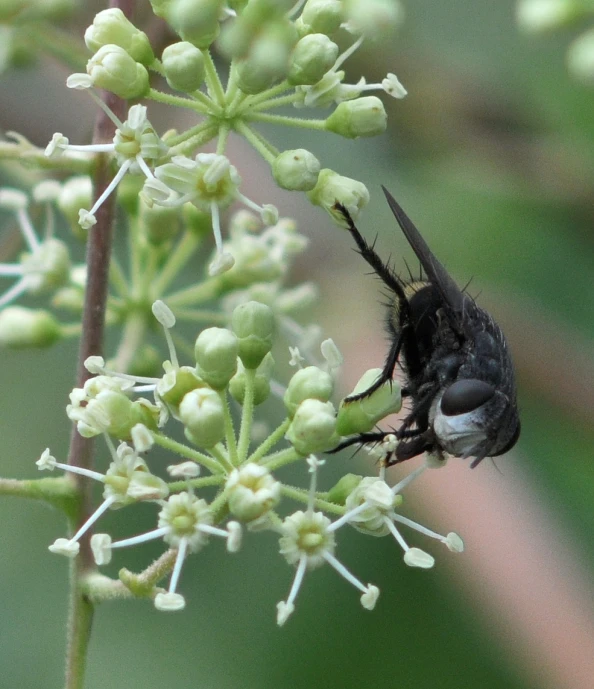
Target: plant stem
[(80, 614)]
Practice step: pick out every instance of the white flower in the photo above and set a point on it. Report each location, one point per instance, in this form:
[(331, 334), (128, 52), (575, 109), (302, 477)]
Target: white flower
[(136, 147), (46, 264), (308, 541), (252, 491)]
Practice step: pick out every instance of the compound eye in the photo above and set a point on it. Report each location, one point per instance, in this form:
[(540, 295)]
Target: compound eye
[(465, 395)]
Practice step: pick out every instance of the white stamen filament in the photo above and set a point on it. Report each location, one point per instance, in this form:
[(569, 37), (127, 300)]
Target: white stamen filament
[(408, 479), (394, 531), (347, 53), (17, 289), (111, 186), (179, 561), (104, 506), (142, 538), (343, 571), (297, 581), (80, 470), (27, 229), (216, 226), (418, 527), (348, 516)]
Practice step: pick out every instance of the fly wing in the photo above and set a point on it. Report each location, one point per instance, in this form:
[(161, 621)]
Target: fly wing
[(451, 294)]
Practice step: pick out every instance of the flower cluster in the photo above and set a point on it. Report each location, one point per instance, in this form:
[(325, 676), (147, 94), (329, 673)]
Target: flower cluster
[(233, 368), (280, 56)]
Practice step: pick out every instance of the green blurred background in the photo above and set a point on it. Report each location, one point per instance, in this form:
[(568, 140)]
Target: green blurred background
[(492, 155)]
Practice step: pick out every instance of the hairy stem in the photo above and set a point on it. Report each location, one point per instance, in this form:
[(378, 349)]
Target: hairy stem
[(80, 454)]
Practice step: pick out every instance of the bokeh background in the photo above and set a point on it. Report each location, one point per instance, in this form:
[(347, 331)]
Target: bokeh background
[(492, 155)]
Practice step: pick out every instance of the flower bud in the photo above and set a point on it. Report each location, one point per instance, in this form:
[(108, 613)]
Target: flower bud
[(321, 16), (268, 59), (363, 116), (360, 416), (176, 384), (253, 323), (237, 384), (380, 505), (196, 21), (296, 170), (112, 27), (333, 188), (202, 413), (216, 352), (345, 486), (20, 328), (252, 492), (184, 66), (313, 428), (374, 18), (47, 267), (112, 69), (307, 383), (313, 56)]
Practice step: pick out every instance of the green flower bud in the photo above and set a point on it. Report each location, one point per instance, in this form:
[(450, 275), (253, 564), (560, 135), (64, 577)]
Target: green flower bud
[(76, 193), (361, 415), (345, 486), (380, 501), (321, 16), (253, 323), (184, 66), (261, 381), (332, 188), (268, 59), (363, 116), (313, 56), (159, 223), (307, 383), (112, 69), (313, 428), (375, 19), (203, 415), (196, 21), (20, 328), (252, 491), (161, 7), (216, 352), (296, 170), (176, 384), (239, 35), (111, 27), (196, 221)]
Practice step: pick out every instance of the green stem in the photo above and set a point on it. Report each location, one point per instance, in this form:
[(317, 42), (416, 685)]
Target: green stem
[(266, 445), (197, 294), (177, 101), (117, 277), (178, 486), (183, 252), (280, 458), (301, 495), (199, 128), (219, 452), (317, 125), (132, 338), (289, 99), (223, 136), (229, 430), (257, 141), (210, 463), (212, 107), (268, 95), (59, 492), (247, 416), (201, 316), (197, 141), (213, 82)]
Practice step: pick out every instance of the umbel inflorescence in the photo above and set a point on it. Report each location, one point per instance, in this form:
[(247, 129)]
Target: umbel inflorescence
[(280, 60), (235, 366)]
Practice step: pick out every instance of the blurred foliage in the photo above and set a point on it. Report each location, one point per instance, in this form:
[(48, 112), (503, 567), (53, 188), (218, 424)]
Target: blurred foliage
[(492, 155)]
